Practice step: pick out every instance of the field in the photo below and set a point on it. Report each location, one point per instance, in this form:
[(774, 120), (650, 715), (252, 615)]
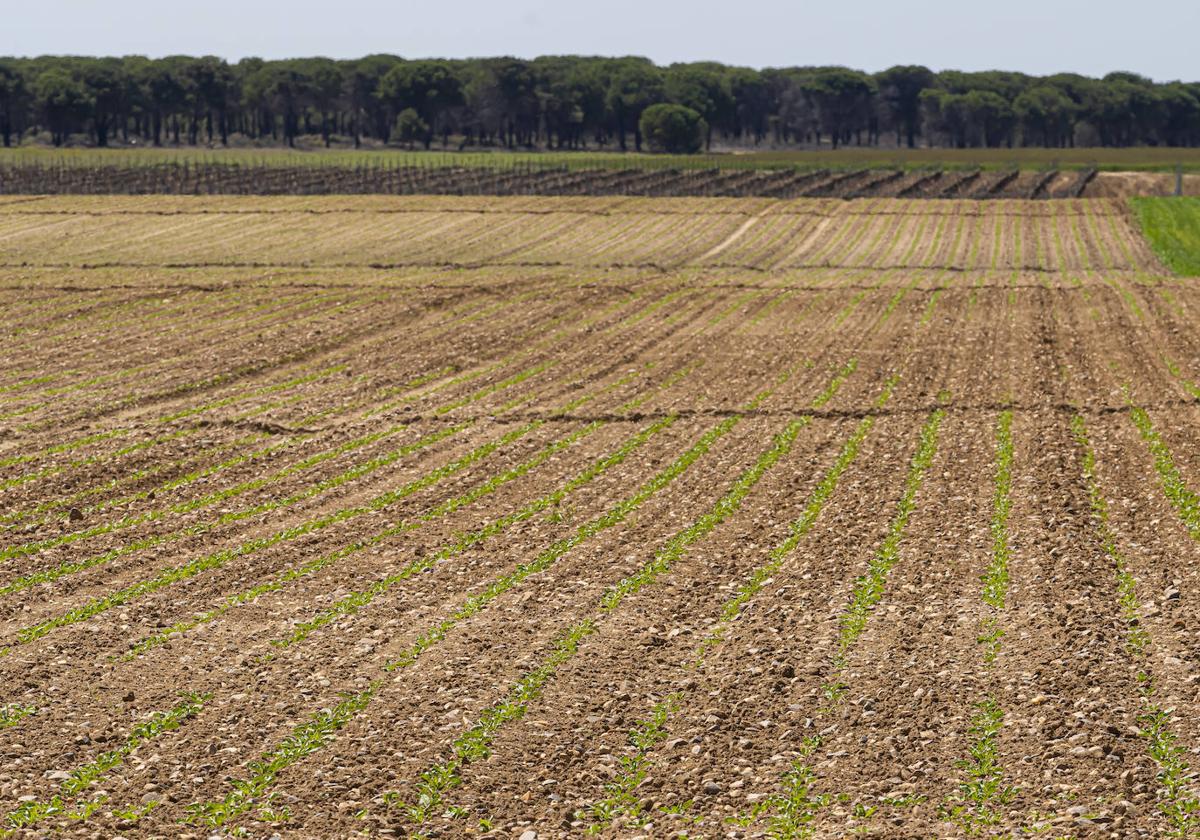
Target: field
[(526, 516)]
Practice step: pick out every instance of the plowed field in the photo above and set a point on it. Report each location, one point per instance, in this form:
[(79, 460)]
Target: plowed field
[(448, 517)]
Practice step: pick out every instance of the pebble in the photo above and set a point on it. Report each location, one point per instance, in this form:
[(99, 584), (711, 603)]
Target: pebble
[(529, 835)]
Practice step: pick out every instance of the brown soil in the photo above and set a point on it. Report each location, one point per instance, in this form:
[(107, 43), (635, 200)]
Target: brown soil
[(198, 404), (1127, 184)]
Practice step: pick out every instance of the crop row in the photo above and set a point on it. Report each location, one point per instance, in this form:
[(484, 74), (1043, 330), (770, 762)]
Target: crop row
[(1178, 797), (355, 601), (216, 320), (252, 394), (717, 317), (264, 772), (217, 559), (1087, 235), (974, 806), (620, 800), (304, 739)]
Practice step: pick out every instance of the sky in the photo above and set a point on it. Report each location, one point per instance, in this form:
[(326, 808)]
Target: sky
[(1154, 37)]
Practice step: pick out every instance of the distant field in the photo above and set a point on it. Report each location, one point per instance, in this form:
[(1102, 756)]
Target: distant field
[(1133, 159)]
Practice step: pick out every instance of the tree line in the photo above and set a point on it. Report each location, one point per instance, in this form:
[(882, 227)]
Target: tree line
[(572, 102)]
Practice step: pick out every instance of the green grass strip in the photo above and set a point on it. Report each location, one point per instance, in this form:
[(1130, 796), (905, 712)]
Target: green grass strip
[(1127, 297), (355, 601), (791, 812), (614, 516), (1138, 639), (1173, 227), (252, 393), (219, 558), (1188, 385), (313, 733), (41, 512), (621, 800), (25, 383), (304, 740), (973, 805), (31, 813), (59, 448)]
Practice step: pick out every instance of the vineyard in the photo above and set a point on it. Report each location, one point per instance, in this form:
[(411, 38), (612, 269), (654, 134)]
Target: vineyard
[(761, 514), (214, 178)]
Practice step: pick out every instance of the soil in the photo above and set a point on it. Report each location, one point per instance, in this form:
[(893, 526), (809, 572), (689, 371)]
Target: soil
[(258, 449), (1127, 184)]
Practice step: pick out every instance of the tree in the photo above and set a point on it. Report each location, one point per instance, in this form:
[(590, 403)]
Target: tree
[(1126, 109), (1181, 104), (705, 89), (635, 85), (1046, 116), (571, 102), (570, 92), (13, 99), (368, 111), (900, 91), (842, 101), (753, 102), (794, 119), (674, 129), (325, 92), (104, 79), (281, 90), (165, 94), (209, 87), (502, 95), (63, 101), (989, 119), (410, 127), (963, 120), (428, 88)]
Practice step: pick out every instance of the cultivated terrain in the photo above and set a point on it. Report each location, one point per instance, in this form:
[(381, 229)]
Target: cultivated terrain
[(455, 516)]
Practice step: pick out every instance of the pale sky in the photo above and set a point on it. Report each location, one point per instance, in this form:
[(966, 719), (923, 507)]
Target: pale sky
[(1154, 37)]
